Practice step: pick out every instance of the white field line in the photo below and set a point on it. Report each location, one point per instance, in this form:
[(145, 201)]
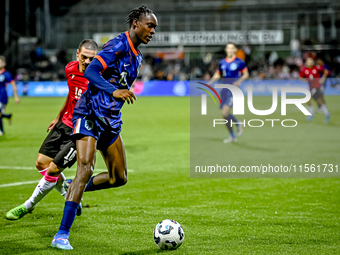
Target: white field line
[(33, 168), (17, 183)]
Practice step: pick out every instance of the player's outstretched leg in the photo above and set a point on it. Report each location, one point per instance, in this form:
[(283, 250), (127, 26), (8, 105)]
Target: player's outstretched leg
[(1, 126), (321, 101), (238, 124), (310, 108), (18, 212), (226, 115), (86, 156), (115, 161), (45, 185)]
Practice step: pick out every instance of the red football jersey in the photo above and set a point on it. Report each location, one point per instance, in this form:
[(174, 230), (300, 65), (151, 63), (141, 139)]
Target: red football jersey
[(77, 84), (312, 75)]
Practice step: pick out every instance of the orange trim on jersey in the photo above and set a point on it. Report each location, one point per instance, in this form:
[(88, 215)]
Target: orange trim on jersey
[(101, 60), (76, 127), (230, 60), (131, 44), (244, 69), (3, 70)]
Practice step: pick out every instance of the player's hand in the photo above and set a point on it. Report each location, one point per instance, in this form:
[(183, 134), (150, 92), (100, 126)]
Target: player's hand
[(52, 124), (236, 83), (322, 80), (125, 95)]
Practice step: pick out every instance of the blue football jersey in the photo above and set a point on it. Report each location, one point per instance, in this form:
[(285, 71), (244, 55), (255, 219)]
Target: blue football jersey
[(116, 66), (232, 68), (5, 77)]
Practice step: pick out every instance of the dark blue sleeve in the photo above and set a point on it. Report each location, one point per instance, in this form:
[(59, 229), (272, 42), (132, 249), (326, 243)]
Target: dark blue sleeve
[(8, 76), (242, 66), (92, 73)]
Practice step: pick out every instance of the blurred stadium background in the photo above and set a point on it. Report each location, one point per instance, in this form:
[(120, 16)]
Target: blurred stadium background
[(219, 216), (40, 37)]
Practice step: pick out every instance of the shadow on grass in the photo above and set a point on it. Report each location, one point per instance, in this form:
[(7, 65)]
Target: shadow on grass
[(13, 247), (147, 251)]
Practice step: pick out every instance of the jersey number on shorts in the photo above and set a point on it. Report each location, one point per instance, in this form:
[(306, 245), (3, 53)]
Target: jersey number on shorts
[(70, 155), (78, 93)]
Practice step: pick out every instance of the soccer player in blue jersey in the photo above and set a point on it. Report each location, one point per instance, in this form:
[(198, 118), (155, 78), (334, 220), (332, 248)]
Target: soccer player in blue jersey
[(97, 117), (5, 78), (234, 71)]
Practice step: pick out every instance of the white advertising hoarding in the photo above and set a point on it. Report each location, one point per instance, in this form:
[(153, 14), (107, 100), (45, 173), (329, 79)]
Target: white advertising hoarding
[(206, 37)]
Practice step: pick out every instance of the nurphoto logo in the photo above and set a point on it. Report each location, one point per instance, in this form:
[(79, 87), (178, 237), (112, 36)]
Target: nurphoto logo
[(238, 104)]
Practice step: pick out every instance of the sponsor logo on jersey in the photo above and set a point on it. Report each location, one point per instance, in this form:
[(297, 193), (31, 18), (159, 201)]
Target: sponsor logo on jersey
[(2, 77)]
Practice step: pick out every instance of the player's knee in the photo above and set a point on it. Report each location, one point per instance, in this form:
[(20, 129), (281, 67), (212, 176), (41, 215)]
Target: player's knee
[(121, 181), (40, 165), (53, 170), (85, 174), (117, 181)]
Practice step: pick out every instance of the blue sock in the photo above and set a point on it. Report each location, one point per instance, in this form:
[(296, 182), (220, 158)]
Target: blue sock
[(229, 126), (233, 118), (70, 211), (1, 126), (89, 186)]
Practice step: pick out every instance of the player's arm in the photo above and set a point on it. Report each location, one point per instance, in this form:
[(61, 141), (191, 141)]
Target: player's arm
[(15, 91), (245, 75), (324, 76), (216, 77), (303, 79), (60, 114), (93, 74)]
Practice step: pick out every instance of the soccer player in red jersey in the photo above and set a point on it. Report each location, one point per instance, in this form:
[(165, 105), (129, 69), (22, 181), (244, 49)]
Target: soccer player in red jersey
[(58, 150), (315, 75)]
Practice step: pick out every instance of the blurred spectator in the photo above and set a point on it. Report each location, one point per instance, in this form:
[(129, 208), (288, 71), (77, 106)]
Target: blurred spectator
[(146, 71), (295, 48), (271, 66), (247, 51)]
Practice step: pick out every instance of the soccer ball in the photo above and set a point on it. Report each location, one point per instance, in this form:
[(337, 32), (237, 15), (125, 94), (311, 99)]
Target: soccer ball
[(168, 235)]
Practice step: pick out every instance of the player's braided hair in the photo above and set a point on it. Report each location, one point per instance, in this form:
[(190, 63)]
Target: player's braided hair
[(136, 13)]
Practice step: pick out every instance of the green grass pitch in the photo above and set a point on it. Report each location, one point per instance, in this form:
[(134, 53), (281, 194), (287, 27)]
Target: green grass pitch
[(219, 216)]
